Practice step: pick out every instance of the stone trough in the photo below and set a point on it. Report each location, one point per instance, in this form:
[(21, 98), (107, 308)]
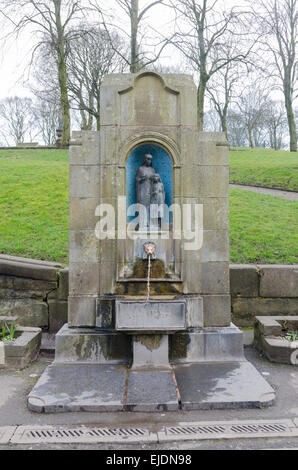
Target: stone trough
[(146, 320), (142, 316), (270, 338), (22, 350)]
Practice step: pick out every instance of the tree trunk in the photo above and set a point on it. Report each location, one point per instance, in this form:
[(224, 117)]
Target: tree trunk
[(223, 118), (134, 39), (250, 139), (64, 101), (90, 116), (275, 137), (62, 76), (200, 104), (291, 123), (83, 120), (98, 111)]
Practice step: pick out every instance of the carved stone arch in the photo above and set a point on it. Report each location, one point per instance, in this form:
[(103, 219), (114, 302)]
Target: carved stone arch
[(140, 75), (146, 138)]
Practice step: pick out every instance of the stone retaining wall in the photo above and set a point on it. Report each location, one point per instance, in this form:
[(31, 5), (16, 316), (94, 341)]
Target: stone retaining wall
[(37, 292), (34, 291), (262, 290)]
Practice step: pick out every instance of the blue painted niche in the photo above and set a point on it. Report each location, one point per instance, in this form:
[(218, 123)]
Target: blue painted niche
[(161, 162)]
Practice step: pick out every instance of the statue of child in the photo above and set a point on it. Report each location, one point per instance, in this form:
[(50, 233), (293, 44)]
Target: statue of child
[(157, 200)]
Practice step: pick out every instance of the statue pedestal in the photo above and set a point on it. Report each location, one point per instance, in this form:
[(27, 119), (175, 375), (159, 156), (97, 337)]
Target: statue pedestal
[(150, 352)]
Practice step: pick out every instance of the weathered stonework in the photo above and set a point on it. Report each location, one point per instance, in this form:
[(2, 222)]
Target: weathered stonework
[(269, 338), (44, 303), (148, 127), (25, 285), (207, 345), (244, 280), (246, 309), (97, 173), (278, 281), (23, 349), (29, 312), (84, 346)]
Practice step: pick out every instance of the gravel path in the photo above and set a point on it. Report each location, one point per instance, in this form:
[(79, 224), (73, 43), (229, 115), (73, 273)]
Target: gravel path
[(290, 195)]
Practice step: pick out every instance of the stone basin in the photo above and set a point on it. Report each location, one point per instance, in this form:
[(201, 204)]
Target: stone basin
[(154, 315)]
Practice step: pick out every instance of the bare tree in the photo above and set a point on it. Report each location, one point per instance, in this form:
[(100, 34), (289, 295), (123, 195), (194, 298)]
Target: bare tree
[(44, 82), (207, 40), (18, 119), (276, 123), (90, 58), (138, 58), (237, 129), (52, 22), (278, 21), (46, 116), (220, 90), (212, 121), (253, 107)]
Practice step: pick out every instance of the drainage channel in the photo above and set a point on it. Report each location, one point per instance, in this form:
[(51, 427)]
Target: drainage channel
[(134, 435)]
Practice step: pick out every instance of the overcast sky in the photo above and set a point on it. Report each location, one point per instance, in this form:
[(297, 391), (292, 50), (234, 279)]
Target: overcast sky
[(15, 52)]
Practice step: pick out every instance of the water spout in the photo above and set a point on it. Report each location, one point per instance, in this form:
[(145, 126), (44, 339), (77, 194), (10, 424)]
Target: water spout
[(149, 249), (148, 278)]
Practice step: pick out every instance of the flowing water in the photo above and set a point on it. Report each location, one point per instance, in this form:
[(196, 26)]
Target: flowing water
[(148, 278)]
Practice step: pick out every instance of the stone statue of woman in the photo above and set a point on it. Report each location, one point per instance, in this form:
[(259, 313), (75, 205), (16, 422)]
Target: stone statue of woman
[(143, 190)]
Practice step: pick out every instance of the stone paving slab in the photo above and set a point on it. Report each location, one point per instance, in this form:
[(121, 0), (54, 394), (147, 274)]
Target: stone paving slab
[(222, 386), (151, 391), (100, 388), (6, 434), (79, 388)]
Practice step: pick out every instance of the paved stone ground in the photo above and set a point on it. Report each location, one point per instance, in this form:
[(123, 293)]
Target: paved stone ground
[(15, 385), (290, 195)]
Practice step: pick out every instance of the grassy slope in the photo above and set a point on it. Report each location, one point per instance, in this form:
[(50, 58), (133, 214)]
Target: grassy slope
[(265, 167), (34, 213), (263, 229), (34, 203)]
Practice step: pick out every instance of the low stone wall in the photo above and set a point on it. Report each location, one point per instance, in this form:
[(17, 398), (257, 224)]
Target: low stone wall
[(262, 290), (36, 292)]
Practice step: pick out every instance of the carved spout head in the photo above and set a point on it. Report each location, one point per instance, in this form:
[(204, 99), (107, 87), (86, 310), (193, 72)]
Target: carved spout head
[(149, 249)]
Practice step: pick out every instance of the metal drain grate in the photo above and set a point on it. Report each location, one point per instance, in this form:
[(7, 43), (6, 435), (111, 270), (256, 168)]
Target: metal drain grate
[(259, 428), (182, 432), (186, 430), (82, 434), (228, 430)]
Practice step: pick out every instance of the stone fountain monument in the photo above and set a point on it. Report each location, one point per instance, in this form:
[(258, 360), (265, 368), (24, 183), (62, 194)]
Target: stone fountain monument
[(149, 323)]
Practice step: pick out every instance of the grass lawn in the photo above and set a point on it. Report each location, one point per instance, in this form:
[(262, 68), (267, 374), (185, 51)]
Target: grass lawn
[(263, 229), (264, 167), (34, 203), (34, 213)]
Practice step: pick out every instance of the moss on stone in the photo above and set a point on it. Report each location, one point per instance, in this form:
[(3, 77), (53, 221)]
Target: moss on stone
[(178, 346), (157, 271), (151, 342)]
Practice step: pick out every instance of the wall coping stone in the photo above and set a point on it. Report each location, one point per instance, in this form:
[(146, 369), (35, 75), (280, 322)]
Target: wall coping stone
[(21, 267)]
